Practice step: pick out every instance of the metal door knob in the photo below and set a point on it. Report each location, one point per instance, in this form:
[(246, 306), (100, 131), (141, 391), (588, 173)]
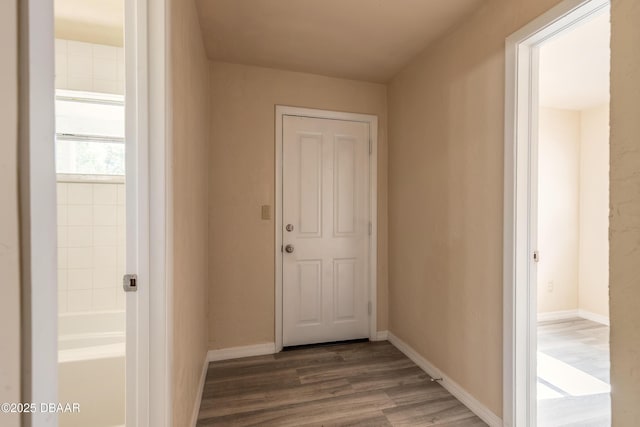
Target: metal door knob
[(289, 249)]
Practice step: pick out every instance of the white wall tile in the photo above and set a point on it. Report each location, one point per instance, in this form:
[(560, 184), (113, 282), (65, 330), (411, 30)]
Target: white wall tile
[(79, 48), (79, 258), (62, 65), (121, 216), (105, 235), (79, 300), (105, 215), (105, 194), (63, 257), (120, 299), (105, 257), (80, 83), (80, 66), (105, 86), (63, 215), (104, 299), (61, 47), (79, 215), (62, 236), (80, 194), (61, 193), (101, 51), (79, 278), (80, 236), (105, 69), (62, 279), (106, 278), (122, 194), (62, 302)]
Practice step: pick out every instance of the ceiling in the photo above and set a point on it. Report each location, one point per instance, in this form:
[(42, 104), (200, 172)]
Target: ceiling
[(367, 40), (574, 67), (92, 21)]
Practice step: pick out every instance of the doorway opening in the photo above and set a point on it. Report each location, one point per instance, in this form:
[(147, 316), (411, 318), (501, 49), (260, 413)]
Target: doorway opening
[(91, 203), (572, 226), (556, 358)]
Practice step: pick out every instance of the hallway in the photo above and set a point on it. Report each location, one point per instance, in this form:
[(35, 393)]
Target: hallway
[(363, 384)]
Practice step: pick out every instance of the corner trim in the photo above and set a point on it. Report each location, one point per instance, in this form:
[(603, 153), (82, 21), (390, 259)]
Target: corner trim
[(594, 317), (549, 316), (454, 388), (381, 336), (198, 402), (238, 352)]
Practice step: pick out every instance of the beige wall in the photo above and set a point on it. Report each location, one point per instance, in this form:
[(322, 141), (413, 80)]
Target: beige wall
[(573, 210), (9, 244), (624, 233), (242, 178), (593, 269), (558, 204), (190, 126), (446, 136)]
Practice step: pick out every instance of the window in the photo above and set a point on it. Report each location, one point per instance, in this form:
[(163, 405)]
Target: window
[(89, 133)]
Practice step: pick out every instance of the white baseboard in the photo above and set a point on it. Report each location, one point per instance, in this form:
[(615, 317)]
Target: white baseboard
[(557, 315), (454, 388), (203, 376), (238, 352), (594, 317), (381, 336), (570, 314)]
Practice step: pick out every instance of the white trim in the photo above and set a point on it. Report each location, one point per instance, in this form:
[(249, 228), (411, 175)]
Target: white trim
[(519, 304), (196, 406), (381, 336), (372, 120), (454, 388), (86, 179), (38, 223), (550, 316), (594, 317), (239, 352)]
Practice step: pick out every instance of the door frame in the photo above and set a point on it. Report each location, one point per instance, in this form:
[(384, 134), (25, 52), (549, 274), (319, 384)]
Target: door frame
[(520, 204), (149, 106), (372, 121)]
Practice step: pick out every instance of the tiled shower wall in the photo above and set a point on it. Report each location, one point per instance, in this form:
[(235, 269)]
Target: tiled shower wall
[(89, 67), (91, 216), (91, 246)]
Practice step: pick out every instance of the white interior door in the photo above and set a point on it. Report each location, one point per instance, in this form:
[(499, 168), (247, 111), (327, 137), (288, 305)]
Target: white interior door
[(325, 230)]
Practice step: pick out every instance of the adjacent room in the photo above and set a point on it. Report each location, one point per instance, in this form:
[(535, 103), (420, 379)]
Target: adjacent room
[(573, 225)]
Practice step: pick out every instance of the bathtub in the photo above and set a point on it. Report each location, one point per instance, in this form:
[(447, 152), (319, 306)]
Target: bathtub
[(91, 367)]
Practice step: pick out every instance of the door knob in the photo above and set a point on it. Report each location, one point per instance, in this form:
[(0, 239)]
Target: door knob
[(289, 227), (289, 249)]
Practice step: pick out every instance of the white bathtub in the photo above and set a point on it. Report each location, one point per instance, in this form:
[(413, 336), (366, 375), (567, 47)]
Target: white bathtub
[(91, 367)]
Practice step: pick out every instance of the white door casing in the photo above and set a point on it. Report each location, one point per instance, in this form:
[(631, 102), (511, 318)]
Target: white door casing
[(326, 189), (520, 204), (326, 212)]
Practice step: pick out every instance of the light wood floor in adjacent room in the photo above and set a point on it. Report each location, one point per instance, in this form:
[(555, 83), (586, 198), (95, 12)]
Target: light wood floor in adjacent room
[(363, 384), (583, 345)]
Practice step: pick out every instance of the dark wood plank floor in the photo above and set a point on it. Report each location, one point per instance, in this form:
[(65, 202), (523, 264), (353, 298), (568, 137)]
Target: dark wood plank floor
[(363, 384), (584, 345)]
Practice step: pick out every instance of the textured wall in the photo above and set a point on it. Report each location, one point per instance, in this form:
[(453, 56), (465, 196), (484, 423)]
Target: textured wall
[(446, 136), (593, 278), (190, 127), (241, 251), (9, 243), (624, 233)]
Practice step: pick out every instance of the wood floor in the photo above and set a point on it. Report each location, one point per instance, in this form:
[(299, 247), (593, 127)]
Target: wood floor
[(584, 345), (363, 384)]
